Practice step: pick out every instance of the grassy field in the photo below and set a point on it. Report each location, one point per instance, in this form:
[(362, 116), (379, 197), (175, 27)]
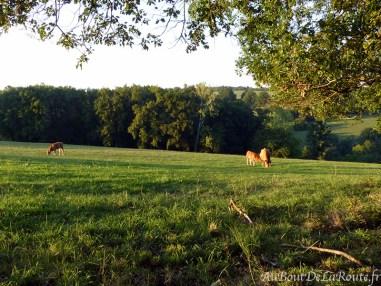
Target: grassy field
[(352, 127), (110, 216)]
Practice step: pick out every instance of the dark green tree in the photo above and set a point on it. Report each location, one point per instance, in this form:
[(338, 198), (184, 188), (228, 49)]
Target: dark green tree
[(256, 98), (141, 94), (114, 109), (276, 133), (20, 115), (231, 127), (207, 108), (167, 121), (378, 125), (319, 140), (368, 147), (280, 141), (44, 113), (68, 114)]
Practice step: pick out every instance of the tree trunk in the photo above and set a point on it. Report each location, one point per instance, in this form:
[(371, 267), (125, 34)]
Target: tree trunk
[(195, 148)]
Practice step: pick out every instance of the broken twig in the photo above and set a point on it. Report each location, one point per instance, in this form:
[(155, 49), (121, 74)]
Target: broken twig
[(326, 250), (233, 207)]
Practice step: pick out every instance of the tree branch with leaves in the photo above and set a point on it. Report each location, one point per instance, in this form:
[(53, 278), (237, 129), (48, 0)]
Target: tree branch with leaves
[(318, 56)]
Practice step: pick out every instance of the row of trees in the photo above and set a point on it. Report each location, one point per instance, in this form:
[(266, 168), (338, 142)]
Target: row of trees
[(45, 114), (189, 118), (195, 118)]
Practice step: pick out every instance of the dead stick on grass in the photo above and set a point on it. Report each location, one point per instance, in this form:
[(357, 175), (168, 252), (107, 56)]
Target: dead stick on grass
[(327, 250), (233, 206)]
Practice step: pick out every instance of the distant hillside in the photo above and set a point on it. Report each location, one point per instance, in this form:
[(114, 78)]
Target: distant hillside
[(239, 90), (352, 127), (343, 128)]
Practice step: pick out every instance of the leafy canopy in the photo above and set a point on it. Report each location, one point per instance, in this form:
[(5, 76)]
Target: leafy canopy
[(85, 23), (320, 56)]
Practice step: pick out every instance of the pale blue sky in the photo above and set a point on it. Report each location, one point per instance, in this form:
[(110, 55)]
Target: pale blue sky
[(25, 60)]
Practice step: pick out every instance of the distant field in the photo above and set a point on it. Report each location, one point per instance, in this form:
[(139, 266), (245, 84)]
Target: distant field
[(352, 127), (114, 216)]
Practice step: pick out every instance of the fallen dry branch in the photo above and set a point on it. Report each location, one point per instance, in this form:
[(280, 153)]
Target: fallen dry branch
[(233, 207), (326, 250)]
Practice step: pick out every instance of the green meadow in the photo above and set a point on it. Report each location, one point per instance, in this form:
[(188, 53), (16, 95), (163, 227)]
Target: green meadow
[(113, 216), (352, 127)]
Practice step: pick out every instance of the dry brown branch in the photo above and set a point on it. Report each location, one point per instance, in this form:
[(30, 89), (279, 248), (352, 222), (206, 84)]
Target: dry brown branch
[(327, 250), (233, 207)]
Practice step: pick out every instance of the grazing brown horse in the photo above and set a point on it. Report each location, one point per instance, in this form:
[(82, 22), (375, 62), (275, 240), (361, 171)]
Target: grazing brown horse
[(54, 147), (252, 158), (265, 157)]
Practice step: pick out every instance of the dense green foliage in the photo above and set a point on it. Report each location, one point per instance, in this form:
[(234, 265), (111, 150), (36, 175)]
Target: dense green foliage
[(322, 57), (144, 117), (167, 121), (188, 119), (368, 146), (112, 216), (231, 127), (114, 110), (45, 113)]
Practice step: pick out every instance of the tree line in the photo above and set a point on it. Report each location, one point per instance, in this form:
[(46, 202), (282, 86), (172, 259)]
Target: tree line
[(190, 118)]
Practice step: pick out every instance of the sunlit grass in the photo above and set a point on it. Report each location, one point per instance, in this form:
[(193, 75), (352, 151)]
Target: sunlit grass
[(352, 127), (116, 216)]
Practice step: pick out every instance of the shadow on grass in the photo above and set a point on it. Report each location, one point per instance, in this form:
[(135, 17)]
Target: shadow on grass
[(87, 186), (56, 162), (51, 233)]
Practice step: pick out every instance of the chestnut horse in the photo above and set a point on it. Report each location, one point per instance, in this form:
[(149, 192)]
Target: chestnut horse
[(252, 158), (54, 147)]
